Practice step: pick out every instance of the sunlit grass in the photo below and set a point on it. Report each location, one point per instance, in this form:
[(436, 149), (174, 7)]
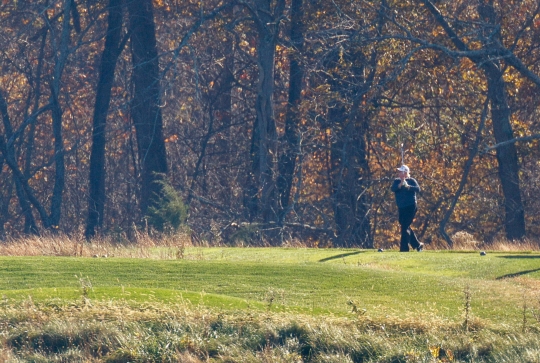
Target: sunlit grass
[(119, 331), (311, 281), (170, 301), (142, 245)]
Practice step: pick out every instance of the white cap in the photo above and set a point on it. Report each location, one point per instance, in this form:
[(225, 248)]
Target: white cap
[(403, 168)]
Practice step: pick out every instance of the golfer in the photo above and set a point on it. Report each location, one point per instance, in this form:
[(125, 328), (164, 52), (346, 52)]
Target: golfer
[(405, 189)]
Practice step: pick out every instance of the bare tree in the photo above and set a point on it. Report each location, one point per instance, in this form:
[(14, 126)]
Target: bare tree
[(291, 139), (262, 191), (500, 111), (145, 106), (113, 48)]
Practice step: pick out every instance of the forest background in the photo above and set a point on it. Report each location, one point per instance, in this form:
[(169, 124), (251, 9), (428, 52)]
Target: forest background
[(275, 120)]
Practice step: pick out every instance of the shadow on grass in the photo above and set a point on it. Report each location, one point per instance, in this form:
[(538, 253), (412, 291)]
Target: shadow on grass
[(341, 255), (516, 274)]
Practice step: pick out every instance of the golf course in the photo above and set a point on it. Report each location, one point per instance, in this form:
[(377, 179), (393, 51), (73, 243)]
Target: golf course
[(272, 305)]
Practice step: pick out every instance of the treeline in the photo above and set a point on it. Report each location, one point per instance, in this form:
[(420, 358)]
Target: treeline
[(270, 120)]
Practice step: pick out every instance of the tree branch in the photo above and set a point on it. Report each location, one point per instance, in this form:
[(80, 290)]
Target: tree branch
[(499, 50), (451, 33), (511, 141), (515, 62), (466, 168)]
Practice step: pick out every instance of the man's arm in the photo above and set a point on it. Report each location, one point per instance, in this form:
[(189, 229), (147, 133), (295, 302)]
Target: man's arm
[(395, 185), (413, 185)]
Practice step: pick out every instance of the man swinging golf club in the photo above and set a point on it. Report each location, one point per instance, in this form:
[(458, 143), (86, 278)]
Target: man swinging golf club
[(405, 189)]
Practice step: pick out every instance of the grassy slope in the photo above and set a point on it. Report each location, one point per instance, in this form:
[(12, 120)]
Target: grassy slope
[(312, 281)]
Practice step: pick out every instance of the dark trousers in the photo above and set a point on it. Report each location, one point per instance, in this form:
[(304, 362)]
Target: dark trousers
[(406, 217)]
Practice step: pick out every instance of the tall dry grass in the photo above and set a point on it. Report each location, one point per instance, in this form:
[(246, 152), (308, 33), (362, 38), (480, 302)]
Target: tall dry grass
[(466, 241), (121, 331), (140, 246), (145, 245)]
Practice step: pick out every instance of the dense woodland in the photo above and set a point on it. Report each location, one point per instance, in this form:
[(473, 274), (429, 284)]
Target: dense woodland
[(270, 120)]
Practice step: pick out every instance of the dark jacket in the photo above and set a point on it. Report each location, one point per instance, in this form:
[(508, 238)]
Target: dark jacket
[(405, 197)]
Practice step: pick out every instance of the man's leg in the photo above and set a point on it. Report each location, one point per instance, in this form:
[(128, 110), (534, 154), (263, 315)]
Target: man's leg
[(406, 216), (404, 243), (417, 245), (413, 240)]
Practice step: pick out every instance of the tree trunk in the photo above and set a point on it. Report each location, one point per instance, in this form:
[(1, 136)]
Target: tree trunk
[(111, 51), (500, 114), (7, 190), (51, 220), (222, 111), (466, 169), (29, 223), (266, 127), (287, 161), (506, 155), (8, 153), (59, 182), (26, 210), (502, 129), (145, 106), (264, 140), (350, 197)]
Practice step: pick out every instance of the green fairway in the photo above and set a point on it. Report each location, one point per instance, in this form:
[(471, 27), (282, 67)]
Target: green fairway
[(308, 281)]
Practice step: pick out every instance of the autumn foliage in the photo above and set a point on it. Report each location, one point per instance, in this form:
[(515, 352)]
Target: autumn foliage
[(283, 118)]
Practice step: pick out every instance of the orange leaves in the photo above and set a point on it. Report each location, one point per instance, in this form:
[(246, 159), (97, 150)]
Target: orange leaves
[(466, 64), (438, 31), (468, 70), (172, 138)]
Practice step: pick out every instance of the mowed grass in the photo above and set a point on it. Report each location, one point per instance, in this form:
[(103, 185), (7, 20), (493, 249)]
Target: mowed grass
[(315, 282)]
